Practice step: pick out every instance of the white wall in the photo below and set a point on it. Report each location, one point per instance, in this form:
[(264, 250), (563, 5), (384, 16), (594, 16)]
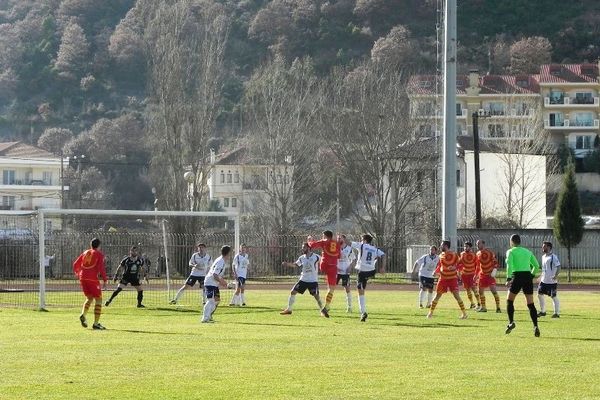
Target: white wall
[(492, 181)]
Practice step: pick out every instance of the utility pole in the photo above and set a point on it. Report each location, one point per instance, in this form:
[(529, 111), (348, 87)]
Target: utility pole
[(475, 116), (337, 204), (449, 151)]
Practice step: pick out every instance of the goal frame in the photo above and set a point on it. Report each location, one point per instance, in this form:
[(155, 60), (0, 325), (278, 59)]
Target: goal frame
[(42, 213)]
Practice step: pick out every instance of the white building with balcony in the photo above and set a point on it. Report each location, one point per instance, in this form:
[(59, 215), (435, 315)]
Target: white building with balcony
[(31, 177), (240, 183)]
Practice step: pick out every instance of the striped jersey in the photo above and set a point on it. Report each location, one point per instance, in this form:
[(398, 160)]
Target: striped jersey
[(447, 266), (486, 261), (467, 263)]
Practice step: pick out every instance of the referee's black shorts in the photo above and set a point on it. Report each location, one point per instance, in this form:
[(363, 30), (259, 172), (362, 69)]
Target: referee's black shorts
[(522, 281)]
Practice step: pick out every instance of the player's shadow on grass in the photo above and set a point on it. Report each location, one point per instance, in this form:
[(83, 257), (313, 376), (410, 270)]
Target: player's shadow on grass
[(584, 339), (277, 324), (180, 310), (149, 332)]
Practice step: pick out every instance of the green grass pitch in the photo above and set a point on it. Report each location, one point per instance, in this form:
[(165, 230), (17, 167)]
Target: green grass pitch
[(163, 352)]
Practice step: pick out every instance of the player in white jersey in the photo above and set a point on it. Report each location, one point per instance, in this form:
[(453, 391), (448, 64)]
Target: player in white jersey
[(214, 277), (427, 265), (344, 269), (368, 255), (241, 262), (309, 279), (199, 263), (548, 282)]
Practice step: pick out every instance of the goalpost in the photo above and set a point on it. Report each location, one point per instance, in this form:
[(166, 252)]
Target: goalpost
[(73, 241)]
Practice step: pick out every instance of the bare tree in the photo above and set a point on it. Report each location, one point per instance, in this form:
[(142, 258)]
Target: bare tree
[(54, 139), (367, 126), (519, 138), (280, 104), (527, 54), (187, 40)]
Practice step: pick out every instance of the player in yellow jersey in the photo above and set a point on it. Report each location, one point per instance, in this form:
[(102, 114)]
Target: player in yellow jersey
[(447, 270), (487, 265), (467, 267)]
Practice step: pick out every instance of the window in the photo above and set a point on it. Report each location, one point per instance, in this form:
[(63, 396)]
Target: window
[(583, 119), (8, 177), (222, 177), (495, 130), (523, 82), (496, 108), (555, 70), (583, 142), (47, 178), (584, 98), (458, 181), (588, 70), (229, 177), (557, 119), (458, 109), (233, 202), (557, 97), (8, 202), (236, 177), (226, 202)]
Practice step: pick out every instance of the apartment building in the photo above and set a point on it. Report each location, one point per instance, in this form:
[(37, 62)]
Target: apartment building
[(30, 177)]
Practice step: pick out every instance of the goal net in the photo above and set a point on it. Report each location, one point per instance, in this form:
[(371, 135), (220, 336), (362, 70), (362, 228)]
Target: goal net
[(37, 249)]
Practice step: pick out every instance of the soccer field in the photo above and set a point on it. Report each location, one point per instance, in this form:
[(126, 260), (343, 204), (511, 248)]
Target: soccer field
[(163, 352)]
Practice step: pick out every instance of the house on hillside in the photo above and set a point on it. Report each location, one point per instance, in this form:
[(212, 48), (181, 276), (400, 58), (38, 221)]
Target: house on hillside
[(241, 182)]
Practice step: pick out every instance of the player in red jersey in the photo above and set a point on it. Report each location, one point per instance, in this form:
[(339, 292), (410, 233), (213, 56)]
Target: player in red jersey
[(87, 267), (467, 268), (329, 260), (447, 270), (487, 266)]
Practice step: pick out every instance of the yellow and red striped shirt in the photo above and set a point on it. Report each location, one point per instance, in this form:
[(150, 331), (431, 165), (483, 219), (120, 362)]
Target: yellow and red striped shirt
[(447, 265), (486, 261), (467, 263)]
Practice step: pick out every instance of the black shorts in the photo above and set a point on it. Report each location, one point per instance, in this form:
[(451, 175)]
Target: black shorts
[(363, 278), (212, 292), (549, 289), (426, 283), (241, 281), (522, 281), (192, 279), (301, 286), (345, 278), (132, 280)]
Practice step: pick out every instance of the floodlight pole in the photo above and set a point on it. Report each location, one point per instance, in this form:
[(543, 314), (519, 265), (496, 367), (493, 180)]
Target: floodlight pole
[(449, 151), (477, 171)]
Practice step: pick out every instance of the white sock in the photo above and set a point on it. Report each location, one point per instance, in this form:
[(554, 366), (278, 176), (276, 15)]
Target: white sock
[(349, 299), (291, 301), (179, 293), (361, 303), (234, 299), (542, 303), (208, 309), (421, 296), (556, 305), (429, 298)]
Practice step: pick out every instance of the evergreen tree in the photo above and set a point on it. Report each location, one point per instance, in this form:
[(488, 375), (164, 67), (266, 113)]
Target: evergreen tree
[(568, 224)]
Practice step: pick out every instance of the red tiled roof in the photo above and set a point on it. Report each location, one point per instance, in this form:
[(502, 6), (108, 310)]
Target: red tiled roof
[(489, 84), (509, 84), (237, 156), (23, 150), (569, 73)]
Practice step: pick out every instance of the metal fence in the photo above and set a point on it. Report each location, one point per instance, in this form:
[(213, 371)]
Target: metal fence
[(20, 274)]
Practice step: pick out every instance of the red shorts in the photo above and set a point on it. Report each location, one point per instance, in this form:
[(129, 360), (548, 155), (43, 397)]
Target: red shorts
[(91, 288), (444, 285), (469, 281), (486, 281), (331, 273)]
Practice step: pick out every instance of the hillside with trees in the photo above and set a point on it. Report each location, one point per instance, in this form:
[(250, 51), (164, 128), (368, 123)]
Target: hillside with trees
[(145, 88)]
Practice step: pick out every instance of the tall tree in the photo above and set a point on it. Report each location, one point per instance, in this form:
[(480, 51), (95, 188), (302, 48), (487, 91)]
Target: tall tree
[(366, 124), (187, 41), (568, 224), (527, 54), (72, 53), (281, 108), (54, 139)]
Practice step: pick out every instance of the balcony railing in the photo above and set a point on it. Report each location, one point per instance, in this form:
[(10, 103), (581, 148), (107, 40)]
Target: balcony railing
[(591, 123), (571, 101)]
